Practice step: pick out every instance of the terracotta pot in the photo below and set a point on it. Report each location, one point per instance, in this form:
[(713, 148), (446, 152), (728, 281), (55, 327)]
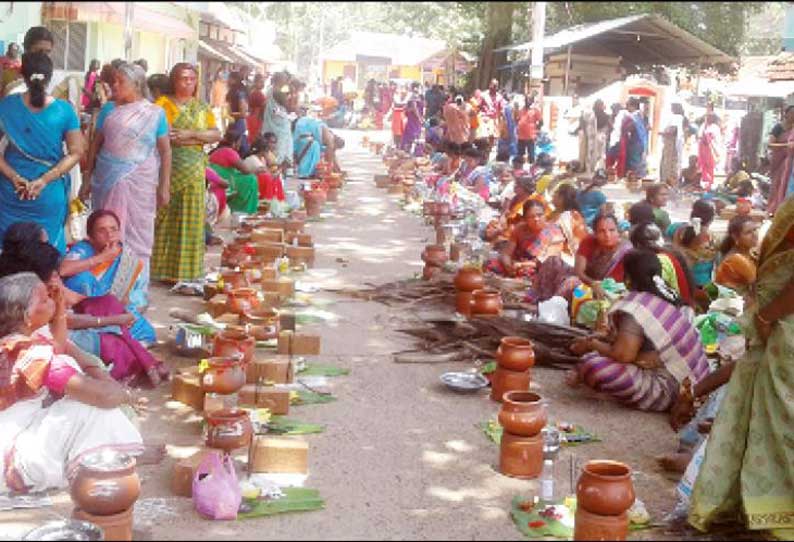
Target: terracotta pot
[(589, 526), (232, 279), (486, 302), (605, 488), (441, 236), (314, 200), (430, 271), (521, 457), (224, 375), (463, 303), (333, 194), (515, 353), (435, 255), (265, 323), (242, 300), (454, 252), (505, 380), (105, 483), (523, 413), (469, 279), (228, 429), (228, 343), (114, 527), (233, 255)]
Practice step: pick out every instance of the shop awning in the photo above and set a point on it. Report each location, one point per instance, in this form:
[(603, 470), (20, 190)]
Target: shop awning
[(144, 18), (206, 49)]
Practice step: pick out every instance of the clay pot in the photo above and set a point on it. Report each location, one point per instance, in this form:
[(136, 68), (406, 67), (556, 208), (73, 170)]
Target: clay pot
[(515, 353), (523, 413), (441, 236), (335, 180), (486, 302), (242, 300), (228, 429), (114, 526), (233, 255), (430, 271), (521, 457), (505, 380), (605, 488), (589, 526), (435, 255), (454, 252), (469, 279), (463, 303), (224, 375), (232, 279), (265, 323), (314, 200), (229, 343), (105, 483), (333, 194)]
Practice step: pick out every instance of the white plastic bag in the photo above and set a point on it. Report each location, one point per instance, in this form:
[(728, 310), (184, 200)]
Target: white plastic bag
[(687, 483), (554, 311)]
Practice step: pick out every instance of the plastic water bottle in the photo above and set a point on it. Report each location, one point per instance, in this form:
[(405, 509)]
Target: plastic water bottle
[(547, 481)]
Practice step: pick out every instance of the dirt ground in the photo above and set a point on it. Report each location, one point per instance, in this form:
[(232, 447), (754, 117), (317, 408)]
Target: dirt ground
[(401, 456)]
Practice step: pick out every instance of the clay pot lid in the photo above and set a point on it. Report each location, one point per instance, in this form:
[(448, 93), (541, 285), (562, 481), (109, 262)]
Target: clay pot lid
[(523, 398), (225, 415), (516, 342), (608, 470), (107, 460)]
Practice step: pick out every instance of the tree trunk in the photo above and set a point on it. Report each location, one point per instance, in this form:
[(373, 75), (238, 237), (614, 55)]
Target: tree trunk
[(499, 32)]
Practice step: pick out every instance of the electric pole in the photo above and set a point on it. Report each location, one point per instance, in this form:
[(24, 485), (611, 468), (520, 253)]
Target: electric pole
[(536, 51), (129, 8)]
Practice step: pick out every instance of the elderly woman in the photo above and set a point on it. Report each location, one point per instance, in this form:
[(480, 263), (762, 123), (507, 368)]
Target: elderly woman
[(226, 161), (178, 253), (531, 242), (34, 170), (653, 349), (130, 158), (53, 408), (102, 265)]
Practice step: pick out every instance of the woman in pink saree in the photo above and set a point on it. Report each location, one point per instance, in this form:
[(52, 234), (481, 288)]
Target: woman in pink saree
[(708, 143), (131, 161)]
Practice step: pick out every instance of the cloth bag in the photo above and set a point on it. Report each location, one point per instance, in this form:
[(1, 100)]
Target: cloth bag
[(216, 493)]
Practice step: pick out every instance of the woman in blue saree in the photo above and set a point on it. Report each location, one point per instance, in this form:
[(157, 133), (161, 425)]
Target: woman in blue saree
[(34, 171), (638, 142), (308, 138), (100, 265)]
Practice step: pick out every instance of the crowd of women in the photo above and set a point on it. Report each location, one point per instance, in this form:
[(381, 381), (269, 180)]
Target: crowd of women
[(648, 277), (150, 159)]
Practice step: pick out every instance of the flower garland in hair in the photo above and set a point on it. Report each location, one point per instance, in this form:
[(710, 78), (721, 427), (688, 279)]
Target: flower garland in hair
[(37, 77), (667, 292)]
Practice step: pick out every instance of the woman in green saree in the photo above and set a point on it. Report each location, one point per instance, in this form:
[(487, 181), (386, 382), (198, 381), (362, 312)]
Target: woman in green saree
[(225, 160), (747, 470)]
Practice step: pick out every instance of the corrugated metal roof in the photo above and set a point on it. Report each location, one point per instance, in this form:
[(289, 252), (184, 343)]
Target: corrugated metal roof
[(660, 41), (208, 50)]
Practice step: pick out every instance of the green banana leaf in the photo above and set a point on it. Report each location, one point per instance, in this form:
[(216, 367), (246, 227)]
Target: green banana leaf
[(279, 425), (295, 499), (318, 369), (306, 397)]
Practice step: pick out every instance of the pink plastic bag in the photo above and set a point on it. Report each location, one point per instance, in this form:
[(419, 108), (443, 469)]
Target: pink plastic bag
[(216, 493)]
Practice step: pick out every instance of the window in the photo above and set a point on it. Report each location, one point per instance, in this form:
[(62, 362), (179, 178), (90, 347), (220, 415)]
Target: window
[(204, 30), (69, 47)]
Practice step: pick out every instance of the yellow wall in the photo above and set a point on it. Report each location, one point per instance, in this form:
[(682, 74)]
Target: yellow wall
[(334, 68), (409, 72)]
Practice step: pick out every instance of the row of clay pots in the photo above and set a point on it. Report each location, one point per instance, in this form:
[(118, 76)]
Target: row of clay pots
[(523, 416), (434, 256)]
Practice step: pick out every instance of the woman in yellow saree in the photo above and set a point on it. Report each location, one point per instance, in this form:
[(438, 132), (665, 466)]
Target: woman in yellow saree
[(747, 470)]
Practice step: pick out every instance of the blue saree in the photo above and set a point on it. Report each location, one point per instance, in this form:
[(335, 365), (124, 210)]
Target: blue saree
[(126, 277), (637, 145), (35, 145), (308, 131)]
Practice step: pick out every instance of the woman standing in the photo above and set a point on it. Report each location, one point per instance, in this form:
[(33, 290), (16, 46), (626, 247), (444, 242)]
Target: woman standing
[(257, 108), (746, 472), (414, 118), (673, 146), (708, 143), (779, 163), (398, 116), (237, 98), (34, 171), (90, 97), (178, 253), (131, 161)]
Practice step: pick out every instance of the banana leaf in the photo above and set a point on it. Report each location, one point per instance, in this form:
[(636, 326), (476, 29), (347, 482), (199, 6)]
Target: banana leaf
[(318, 369), (306, 397), (577, 436), (295, 499), (279, 425)]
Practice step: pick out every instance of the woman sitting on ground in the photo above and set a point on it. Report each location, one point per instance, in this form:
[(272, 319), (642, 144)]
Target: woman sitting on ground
[(738, 269), (654, 346), (53, 408), (227, 163), (269, 172), (498, 231), (567, 216), (658, 195), (99, 325), (598, 257), (696, 242), (591, 200), (531, 242), (675, 270), (101, 265)]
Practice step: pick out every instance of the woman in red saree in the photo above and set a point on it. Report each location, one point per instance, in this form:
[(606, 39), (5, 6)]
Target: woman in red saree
[(707, 149), (256, 108)]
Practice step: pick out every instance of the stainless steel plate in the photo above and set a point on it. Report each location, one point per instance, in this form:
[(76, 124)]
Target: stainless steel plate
[(460, 381)]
